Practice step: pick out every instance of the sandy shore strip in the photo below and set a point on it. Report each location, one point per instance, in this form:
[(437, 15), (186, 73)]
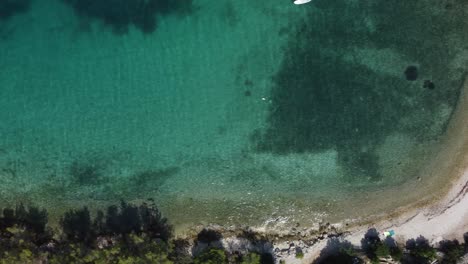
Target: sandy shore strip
[(446, 218)]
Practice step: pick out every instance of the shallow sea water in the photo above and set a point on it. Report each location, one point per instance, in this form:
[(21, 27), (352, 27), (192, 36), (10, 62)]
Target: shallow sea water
[(227, 112)]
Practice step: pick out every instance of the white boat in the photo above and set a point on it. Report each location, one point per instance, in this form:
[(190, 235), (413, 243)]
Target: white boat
[(300, 2)]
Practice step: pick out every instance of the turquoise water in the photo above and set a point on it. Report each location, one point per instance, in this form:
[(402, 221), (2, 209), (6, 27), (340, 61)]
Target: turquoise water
[(231, 112)]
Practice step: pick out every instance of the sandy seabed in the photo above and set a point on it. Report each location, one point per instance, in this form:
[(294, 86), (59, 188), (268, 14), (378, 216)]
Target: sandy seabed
[(443, 218), (441, 214)]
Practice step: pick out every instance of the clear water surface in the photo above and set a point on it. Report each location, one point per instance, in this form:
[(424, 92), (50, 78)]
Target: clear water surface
[(230, 112)]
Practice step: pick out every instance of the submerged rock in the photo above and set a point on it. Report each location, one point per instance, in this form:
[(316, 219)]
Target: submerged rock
[(429, 84), (411, 73)]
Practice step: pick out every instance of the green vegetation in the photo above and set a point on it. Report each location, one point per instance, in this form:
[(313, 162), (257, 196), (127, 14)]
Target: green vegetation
[(124, 234), (211, 256), (251, 258), (133, 234), (420, 250), (376, 249), (299, 254), (382, 251), (396, 253), (452, 250), (135, 249)]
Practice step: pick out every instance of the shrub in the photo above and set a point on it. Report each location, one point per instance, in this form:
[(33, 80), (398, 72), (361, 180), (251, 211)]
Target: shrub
[(17, 245), (76, 225), (179, 253), (251, 258), (453, 251), (371, 242), (135, 249), (211, 256), (153, 223), (382, 250), (33, 219), (129, 219), (138, 235), (396, 253), (123, 221), (145, 248), (420, 250), (8, 219), (25, 256), (99, 225), (299, 253), (112, 224)]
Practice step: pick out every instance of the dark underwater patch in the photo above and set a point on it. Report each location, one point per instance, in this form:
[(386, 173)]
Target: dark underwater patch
[(256, 176), (121, 14), (88, 171), (411, 73), (322, 99), (153, 178), (9, 8)]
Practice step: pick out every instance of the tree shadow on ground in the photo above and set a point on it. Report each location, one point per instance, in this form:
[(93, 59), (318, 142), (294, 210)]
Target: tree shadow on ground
[(453, 251), (207, 238), (32, 219), (118, 221), (420, 251), (370, 242), (338, 251), (209, 248), (251, 242)]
